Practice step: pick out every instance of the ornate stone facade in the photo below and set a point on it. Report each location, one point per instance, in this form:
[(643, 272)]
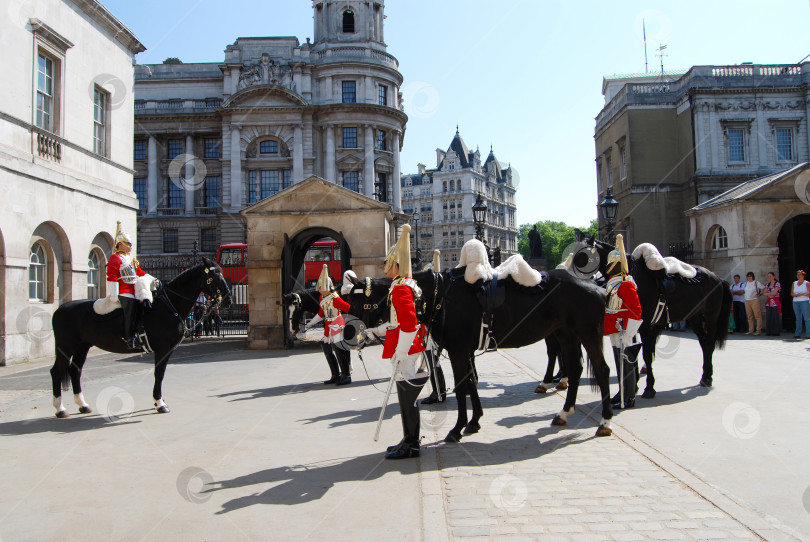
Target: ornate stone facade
[(214, 138), (666, 144)]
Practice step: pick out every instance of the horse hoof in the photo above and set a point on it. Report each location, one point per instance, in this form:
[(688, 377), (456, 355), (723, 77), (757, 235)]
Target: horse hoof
[(562, 386), (62, 414), (85, 410), (472, 428), (540, 389), (705, 382), (453, 437), (648, 394), (163, 409), (603, 431), (558, 420)]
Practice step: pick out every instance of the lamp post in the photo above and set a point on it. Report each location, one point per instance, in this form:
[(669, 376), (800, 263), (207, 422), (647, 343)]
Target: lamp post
[(609, 207), (479, 210), (415, 217)]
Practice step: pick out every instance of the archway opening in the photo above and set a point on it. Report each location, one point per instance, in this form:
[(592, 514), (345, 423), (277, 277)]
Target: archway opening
[(793, 240)]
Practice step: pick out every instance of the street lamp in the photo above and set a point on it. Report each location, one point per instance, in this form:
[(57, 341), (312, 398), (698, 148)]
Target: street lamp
[(479, 210), (609, 207), (415, 217)]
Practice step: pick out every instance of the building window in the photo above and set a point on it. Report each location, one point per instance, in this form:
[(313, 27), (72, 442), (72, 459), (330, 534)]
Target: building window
[(175, 194), (286, 175), (100, 100), (382, 93), (349, 92), (268, 147), (784, 145), (381, 140), (211, 192), (208, 239), (139, 186), (622, 163), (252, 188), (37, 273), (45, 92), (93, 283), (381, 187), (139, 150), (170, 241), (351, 180), (211, 148), (736, 145), (609, 171), (348, 22), (350, 138), (719, 239), (270, 182), (175, 148)]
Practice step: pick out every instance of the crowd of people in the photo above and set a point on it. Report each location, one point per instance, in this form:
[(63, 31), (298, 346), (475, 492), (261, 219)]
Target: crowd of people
[(206, 321), (750, 296)]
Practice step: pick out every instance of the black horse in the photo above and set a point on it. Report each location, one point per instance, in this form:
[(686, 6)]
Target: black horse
[(703, 301), (76, 327), (571, 309)]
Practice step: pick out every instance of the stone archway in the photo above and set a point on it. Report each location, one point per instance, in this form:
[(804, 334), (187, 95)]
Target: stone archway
[(793, 240), (295, 249)]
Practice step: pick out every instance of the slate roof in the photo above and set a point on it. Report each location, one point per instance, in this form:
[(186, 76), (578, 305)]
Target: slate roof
[(748, 188)]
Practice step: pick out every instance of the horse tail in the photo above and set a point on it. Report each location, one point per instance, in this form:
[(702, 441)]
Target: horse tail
[(722, 319)]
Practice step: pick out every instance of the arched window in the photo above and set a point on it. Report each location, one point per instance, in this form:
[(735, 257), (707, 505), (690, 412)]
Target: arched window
[(444, 186), (93, 284), (37, 271), (458, 185), (348, 21), (720, 239)]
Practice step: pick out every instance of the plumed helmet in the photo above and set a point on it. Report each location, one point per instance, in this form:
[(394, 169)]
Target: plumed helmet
[(435, 265), (120, 236), (617, 259), (324, 282), (400, 253)]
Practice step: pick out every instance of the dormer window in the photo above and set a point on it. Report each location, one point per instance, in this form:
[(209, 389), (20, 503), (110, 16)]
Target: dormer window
[(348, 22)]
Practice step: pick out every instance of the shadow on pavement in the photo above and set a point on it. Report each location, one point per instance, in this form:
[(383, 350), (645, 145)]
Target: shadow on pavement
[(290, 389), (74, 424), (297, 484)]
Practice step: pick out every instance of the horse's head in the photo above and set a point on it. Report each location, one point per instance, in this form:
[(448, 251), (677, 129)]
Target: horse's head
[(214, 284), (294, 309), (369, 299)]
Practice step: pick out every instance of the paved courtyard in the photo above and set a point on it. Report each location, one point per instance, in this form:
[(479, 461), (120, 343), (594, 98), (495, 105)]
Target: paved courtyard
[(255, 448)]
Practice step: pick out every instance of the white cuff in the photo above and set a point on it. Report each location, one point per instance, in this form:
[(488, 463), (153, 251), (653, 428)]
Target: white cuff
[(404, 342), (112, 290), (314, 321)]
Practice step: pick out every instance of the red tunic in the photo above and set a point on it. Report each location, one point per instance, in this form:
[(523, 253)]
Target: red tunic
[(335, 325), (114, 274), (630, 309), (403, 303)]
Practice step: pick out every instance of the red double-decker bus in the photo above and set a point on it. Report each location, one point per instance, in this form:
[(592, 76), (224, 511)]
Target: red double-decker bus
[(232, 258), (322, 252)]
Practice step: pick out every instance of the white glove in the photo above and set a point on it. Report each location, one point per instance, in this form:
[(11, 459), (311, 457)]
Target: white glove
[(404, 342), (379, 331), (112, 291), (314, 321)]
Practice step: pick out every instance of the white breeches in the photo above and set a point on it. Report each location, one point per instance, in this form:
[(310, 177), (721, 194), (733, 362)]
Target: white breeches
[(616, 339), (410, 366)]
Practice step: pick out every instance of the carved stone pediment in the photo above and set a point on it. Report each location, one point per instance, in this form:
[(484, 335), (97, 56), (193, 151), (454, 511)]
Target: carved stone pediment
[(265, 71)]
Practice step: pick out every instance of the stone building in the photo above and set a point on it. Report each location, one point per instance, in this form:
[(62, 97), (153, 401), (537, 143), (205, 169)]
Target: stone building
[(444, 197), (66, 118), (213, 138), (666, 143)]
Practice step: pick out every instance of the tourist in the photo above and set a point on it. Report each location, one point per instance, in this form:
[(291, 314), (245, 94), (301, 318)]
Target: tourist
[(773, 306), (801, 304), (753, 310)]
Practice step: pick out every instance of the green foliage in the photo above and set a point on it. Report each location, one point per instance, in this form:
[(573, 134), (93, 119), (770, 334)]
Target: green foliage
[(556, 237)]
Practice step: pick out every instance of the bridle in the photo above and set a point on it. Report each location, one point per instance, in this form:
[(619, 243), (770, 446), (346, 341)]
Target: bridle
[(369, 305)]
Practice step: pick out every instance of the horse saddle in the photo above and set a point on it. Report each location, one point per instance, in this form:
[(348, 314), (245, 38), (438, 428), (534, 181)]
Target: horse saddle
[(491, 294)]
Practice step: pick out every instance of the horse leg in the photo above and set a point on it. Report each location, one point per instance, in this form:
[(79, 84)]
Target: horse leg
[(478, 411), (461, 372), (573, 368), (648, 340), (706, 338), (161, 360), (601, 372), (552, 350), (59, 379), (75, 370)]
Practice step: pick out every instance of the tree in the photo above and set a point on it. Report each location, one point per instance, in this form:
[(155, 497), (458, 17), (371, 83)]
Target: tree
[(556, 237)]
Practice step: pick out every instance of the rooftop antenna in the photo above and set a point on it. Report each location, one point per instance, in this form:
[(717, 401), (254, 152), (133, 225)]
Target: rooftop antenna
[(661, 55), (644, 33)]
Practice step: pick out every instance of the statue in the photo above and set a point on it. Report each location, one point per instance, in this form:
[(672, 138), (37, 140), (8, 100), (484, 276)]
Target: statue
[(535, 243)]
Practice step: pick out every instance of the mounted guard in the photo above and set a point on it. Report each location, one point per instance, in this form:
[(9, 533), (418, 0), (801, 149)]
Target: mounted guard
[(622, 321)]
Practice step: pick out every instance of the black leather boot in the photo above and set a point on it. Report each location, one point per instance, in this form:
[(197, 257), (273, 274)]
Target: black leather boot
[(332, 362), (344, 360), (439, 393), (628, 386), (407, 392)]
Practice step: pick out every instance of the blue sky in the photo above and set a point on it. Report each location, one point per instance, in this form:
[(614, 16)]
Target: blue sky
[(526, 79)]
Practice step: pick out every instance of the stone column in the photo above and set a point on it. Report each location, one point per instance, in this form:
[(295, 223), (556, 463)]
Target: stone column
[(329, 167), (370, 91), (368, 162), (236, 169), (396, 183), (152, 179), (298, 153), (190, 181)]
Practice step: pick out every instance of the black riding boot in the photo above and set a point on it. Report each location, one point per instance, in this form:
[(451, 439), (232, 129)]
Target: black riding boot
[(333, 364), (407, 392), (439, 392), (344, 358), (628, 386), (128, 307)]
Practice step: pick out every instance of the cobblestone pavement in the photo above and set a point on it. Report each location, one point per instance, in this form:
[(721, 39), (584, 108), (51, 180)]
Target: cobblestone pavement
[(522, 479)]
